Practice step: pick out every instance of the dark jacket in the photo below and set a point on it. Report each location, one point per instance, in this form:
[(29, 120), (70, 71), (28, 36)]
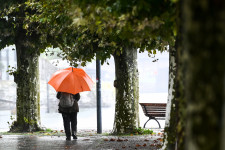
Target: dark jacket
[(75, 107)]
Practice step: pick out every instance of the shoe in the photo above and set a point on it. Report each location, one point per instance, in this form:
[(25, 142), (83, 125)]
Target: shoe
[(68, 138), (74, 137)]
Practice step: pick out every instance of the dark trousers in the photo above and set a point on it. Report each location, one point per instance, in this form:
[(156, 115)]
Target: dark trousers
[(70, 120)]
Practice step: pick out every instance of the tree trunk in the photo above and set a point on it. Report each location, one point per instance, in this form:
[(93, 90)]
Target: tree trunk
[(223, 124), (28, 93), (175, 129), (1, 65), (127, 92), (171, 110), (204, 68)]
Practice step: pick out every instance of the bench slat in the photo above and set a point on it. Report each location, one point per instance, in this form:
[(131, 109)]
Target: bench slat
[(153, 104), (149, 111), (163, 116), (155, 113), (155, 109)]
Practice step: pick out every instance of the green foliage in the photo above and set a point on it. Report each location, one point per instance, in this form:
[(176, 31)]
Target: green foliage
[(15, 26), (12, 119), (83, 29), (48, 130), (111, 26), (88, 29), (12, 70), (30, 122), (142, 131), (136, 131)]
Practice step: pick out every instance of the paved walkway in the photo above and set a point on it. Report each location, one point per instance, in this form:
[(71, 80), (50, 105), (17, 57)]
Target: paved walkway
[(85, 141)]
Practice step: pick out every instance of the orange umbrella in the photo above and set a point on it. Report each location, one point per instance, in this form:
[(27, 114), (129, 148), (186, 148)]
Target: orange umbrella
[(71, 80)]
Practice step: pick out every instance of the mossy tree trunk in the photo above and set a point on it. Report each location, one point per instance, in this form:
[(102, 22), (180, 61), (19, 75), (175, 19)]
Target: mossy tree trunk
[(179, 95), (175, 127), (172, 108), (127, 92), (204, 34), (27, 79)]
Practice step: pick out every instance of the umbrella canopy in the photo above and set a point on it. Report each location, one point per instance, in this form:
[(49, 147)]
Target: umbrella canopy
[(71, 80)]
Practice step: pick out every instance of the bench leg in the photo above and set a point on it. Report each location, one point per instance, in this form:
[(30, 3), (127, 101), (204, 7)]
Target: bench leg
[(158, 123), (146, 122), (150, 119)]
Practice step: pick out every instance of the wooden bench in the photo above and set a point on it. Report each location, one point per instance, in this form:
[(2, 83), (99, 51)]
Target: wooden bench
[(156, 111)]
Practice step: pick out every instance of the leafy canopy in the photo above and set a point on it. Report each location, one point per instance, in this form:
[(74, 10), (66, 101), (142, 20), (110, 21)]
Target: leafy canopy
[(13, 26), (83, 28)]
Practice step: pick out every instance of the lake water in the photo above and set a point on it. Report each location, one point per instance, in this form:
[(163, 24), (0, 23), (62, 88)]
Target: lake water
[(87, 119)]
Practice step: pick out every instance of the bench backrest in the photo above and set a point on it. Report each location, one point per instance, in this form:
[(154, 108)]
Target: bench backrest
[(154, 109)]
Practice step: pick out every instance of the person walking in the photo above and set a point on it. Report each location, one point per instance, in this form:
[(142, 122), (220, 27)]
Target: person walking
[(69, 113)]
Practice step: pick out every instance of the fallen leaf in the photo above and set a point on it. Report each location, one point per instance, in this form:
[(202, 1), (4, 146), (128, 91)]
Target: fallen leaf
[(86, 139), (0, 136), (155, 141), (123, 146), (106, 139), (112, 139), (146, 140), (119, 140), (145, 145), (138, 145), (159, 139), (126, 140)]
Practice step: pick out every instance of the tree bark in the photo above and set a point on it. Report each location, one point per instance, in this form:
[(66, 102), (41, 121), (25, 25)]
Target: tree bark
[(204, 63), (172, 109), (27, 79), (127, 92), (175, 129), (223, 124)]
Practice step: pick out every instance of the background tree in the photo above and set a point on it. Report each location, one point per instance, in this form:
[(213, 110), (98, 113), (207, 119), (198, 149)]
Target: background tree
[(13, 31), (113, 28), (15, 28)]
